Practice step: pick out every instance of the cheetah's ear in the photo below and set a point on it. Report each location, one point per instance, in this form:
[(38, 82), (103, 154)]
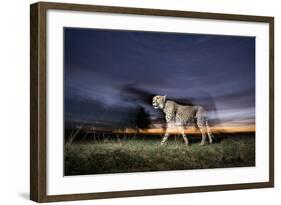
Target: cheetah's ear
[(165, 97)]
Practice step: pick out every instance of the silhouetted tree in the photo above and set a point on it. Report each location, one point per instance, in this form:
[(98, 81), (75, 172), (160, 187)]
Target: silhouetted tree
[(143, 120)]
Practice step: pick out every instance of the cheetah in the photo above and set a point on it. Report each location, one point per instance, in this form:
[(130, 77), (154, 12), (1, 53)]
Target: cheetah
[(180, 116)]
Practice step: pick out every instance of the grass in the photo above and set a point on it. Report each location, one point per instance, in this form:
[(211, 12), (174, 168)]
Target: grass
[(147, 155)]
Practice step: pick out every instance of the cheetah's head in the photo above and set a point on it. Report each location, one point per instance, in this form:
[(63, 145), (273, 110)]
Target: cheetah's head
[(158, 101)]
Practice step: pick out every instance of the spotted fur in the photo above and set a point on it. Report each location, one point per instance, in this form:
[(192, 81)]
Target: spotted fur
[(181, 116)]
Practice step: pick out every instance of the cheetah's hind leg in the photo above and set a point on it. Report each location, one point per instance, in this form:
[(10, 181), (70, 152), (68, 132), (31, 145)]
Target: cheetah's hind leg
[(210, 135), (201, 125)]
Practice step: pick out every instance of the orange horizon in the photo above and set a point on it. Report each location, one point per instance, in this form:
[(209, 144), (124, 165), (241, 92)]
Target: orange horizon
[(191, 130)]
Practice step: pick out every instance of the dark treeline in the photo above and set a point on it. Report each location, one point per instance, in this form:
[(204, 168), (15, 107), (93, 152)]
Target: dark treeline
[(82, 135)]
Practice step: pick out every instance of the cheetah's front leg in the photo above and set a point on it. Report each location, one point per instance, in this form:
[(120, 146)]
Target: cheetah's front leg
[(181, 129), (165, 138), (167, 134)]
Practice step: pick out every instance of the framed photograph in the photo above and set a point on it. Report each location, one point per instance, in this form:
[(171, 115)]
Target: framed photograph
[(135, 102)]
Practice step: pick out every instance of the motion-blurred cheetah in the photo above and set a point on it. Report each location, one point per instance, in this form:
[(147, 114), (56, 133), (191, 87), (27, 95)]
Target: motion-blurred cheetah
[(180, 116)]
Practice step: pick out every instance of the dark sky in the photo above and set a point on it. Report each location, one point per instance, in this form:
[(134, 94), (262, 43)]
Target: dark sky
[(111, 74)]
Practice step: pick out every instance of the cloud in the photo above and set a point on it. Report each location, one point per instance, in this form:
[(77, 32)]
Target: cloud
[(119, 71)]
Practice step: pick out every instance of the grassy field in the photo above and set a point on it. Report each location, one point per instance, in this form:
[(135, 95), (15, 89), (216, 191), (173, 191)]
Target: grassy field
[(147, 155)]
